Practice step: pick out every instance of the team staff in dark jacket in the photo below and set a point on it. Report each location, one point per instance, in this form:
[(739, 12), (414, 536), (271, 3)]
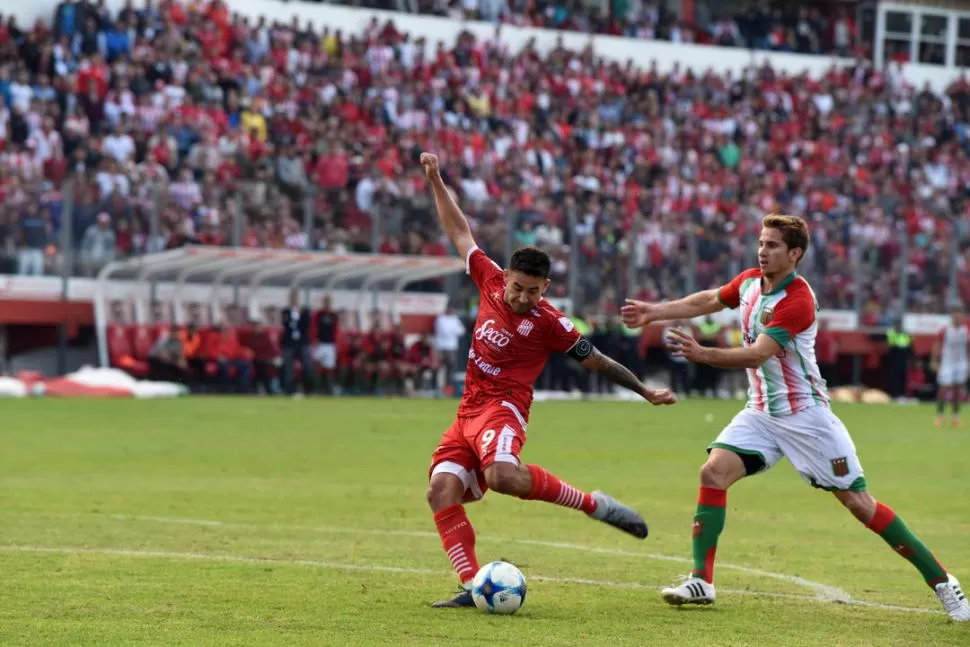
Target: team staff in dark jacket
[(295, 344)]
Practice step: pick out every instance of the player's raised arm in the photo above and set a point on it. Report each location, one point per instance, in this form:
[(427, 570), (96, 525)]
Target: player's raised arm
[(637, 314), (452, 220)]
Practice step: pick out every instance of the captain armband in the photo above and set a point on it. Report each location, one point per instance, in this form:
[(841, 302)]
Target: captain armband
[(581, 350)]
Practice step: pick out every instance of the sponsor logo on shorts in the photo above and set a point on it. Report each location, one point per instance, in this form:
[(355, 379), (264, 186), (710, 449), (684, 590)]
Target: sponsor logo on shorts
[(493, 336), (840, 466)]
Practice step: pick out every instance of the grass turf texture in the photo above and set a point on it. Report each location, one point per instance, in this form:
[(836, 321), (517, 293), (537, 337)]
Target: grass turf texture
[(258, 521)]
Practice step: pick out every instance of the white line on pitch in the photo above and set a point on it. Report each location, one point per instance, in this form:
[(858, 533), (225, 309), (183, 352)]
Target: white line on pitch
[(263, 561), (823, 591)]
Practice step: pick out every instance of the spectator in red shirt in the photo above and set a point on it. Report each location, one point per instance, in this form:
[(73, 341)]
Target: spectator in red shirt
[(387, 362), (266, 356), (233, 357), (421, 365), (333, 172)]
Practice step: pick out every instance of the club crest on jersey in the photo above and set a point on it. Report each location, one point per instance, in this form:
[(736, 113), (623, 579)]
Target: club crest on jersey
[(766, 316), (840, 466), (525, 327)]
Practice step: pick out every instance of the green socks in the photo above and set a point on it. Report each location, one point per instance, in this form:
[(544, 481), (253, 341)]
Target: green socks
[(708, 524), (900, 538)]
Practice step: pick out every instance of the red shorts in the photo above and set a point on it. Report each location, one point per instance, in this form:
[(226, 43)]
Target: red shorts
[(472, 444)]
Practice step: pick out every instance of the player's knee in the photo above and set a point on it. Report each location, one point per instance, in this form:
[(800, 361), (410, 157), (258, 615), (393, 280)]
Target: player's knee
[(861, 504), (504, 478), (720, 474), (442, 493)]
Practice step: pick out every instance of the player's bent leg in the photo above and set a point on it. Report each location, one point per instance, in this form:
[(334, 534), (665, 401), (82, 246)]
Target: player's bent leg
[(445, 490), (883, 521), (499, 435), (723, 468), (533, 483), (453, 480), (511, 479), (457, 535)]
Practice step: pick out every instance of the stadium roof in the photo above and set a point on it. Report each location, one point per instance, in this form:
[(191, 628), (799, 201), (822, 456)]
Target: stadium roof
[(215, 266)]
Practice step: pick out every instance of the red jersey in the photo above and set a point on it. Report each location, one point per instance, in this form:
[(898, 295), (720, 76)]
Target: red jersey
[(508, 350)]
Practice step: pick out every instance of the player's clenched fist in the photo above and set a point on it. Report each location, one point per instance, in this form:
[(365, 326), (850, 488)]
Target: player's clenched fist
[(431, 165), (636, 314)]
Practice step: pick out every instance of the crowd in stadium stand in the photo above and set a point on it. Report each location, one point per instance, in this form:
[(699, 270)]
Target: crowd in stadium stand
[(196, 114), (803, 28)]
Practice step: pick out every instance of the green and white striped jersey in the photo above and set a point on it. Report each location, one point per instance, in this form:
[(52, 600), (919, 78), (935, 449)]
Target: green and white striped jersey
[(790, 381)]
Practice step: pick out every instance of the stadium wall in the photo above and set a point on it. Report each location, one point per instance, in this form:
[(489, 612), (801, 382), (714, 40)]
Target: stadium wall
[(666, 55), (42, 290)]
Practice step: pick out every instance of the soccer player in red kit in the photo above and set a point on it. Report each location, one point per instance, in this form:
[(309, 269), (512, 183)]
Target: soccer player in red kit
[(515, 332)]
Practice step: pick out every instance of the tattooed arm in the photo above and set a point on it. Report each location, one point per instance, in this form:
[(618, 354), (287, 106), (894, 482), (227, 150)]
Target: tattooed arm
[(590, 357)]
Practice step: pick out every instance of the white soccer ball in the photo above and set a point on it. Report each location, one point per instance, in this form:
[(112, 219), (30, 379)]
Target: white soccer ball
[(499, 587)]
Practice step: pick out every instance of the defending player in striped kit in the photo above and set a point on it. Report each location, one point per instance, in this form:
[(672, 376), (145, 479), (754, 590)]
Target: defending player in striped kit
[(950, 356), (788, 412)]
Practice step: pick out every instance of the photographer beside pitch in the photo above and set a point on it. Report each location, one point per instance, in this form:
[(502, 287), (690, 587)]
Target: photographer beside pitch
[(788, 413)]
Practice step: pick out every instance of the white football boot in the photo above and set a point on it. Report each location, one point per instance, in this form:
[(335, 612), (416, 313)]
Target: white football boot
[(953, 599), (693, 590)]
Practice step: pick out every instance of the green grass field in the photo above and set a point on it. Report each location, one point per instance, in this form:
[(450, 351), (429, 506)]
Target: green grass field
[(282, 522)]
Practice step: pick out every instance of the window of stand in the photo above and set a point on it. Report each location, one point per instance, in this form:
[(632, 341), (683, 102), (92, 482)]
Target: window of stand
[(897, 38), (962, 57), (932, 38)]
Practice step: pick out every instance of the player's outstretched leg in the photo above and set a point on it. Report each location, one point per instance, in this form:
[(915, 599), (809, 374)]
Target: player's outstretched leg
[(722, 469), (883, 521), (533, 483), (445, 495)]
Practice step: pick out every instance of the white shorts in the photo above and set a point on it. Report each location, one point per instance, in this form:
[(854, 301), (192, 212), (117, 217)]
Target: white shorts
[(953, 374), (814, 441), (326, 354)]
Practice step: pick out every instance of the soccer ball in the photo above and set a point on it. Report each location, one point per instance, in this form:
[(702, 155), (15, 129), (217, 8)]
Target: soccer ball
[(499, 587)]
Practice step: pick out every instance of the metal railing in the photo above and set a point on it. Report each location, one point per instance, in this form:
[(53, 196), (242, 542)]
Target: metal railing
[(879, 269)]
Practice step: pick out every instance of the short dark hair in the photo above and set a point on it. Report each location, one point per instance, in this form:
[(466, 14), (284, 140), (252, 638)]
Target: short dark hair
[(530, 261)]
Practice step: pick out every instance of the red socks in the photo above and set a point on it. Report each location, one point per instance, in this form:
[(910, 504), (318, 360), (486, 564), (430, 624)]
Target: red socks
[(547, 487), (458, 539)]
